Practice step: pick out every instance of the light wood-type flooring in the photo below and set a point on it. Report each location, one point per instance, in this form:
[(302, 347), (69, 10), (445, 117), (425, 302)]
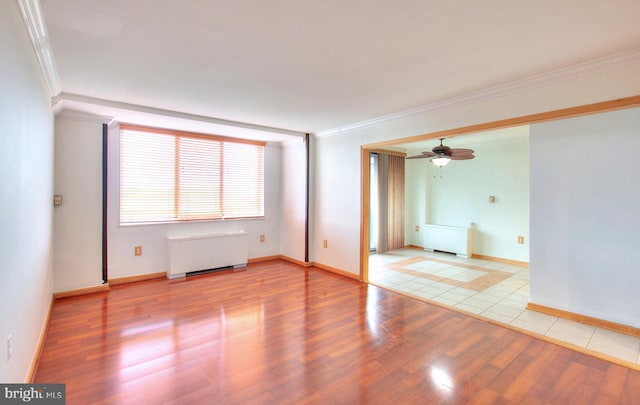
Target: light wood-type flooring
[(278, 333)]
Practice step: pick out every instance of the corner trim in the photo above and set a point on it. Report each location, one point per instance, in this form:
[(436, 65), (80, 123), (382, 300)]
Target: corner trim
[(37, 354), (307, 265), (295, 261), (601, 323), (337, 271), (80, 291), (37, 29), (134, 279), (500, 260), (263, 259)]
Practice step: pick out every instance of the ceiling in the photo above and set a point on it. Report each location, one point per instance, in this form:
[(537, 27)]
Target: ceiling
[(464, 141), (316, 65)]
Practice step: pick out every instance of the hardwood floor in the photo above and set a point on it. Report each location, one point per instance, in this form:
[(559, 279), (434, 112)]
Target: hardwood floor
[(279, 333)]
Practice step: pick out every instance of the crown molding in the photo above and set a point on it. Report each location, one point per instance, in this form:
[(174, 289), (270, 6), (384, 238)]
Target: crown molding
[(87, 117), (571, 72), (34, 22), (77, 98)]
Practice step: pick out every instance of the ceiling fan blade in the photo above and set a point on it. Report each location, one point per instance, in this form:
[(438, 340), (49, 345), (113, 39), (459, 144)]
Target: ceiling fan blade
[(462, 157), (459, 151), (424, 155)]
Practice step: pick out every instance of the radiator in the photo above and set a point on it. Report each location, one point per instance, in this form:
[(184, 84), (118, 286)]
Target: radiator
[(452, 239), (204, 252)]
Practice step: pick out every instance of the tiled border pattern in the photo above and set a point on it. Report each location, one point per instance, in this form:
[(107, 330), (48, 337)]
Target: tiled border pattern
[(479, 284)]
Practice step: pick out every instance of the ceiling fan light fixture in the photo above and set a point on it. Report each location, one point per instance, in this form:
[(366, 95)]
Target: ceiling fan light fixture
[(441, 154), (441, 161)]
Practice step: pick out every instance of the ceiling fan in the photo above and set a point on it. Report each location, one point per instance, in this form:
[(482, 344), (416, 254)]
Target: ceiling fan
[(441, 154)]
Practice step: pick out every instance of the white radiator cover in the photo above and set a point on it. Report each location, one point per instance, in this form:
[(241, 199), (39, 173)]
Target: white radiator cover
[(453, 239), (209, 251)]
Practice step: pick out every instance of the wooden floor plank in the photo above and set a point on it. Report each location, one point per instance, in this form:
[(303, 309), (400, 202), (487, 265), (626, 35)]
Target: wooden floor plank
[(281, 333)]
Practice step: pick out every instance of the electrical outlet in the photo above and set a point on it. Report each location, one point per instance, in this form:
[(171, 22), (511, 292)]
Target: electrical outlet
[(521, 240), (9, 348), (261, 238), (324, 243), (57, 200), (137, 250), (417, 228)]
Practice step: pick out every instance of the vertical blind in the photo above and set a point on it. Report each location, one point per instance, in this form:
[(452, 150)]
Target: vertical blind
[(390, 202), (395, 203), (168, 176)]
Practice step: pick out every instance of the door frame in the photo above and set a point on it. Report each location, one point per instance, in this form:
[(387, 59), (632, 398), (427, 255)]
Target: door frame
[(365, 150)]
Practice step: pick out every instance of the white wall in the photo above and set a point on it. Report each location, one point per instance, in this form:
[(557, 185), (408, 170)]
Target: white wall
[(458, 194), (293, 199), (26, 197), (584, 215), (336, 213), (337, 167), (152, 238), (78, 221)]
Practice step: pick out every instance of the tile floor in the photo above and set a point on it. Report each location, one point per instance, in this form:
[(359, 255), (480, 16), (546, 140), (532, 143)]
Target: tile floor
[(493, 290)]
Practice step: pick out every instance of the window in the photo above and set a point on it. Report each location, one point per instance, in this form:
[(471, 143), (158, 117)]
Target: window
[(169, 176)]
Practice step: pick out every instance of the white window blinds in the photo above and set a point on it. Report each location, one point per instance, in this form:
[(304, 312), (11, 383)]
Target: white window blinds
[(168, 176)]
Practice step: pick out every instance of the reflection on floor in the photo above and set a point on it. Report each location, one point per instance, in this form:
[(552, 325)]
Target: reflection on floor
[(493, 290)]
